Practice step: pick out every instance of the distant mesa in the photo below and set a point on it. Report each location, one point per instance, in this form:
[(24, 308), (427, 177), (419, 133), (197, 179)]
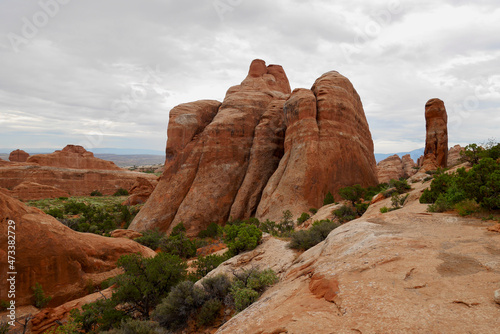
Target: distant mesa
[(71, 171), (18, 156), (262, 150), (72, 156)]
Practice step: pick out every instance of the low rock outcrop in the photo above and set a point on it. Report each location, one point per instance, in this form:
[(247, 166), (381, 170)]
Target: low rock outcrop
[(18, 156), (454, 157), (61, 260), (395, 168), (436, 141), (32, 191), (74, 157), (406, 271)]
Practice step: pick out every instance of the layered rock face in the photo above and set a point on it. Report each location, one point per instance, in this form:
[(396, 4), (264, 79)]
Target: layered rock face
[(454, 157), (328, 146), (73, 156), (218, 155), (395, 168), (64, 173), (140, 191), (436, 141), (61, 260), (18, 156)]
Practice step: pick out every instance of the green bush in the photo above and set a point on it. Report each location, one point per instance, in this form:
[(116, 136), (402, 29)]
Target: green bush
[(212, 231), (441, 205), (361, 208), (146, 281), (100, 315), (205, 264), (151, 238), (96, 193), (217, 287), (286, 224), (55, 212), (318, 232), (467, 207), (353, 193), (313, 211), (384, 209), (249, 285), (398, 200), (303, 217), (40, 299), (345, 213), (178, 244), (209, 312), (174, 311), (401, 185), (4, 327), (132, 326), (75, 208), (240, 238), (329, 199), (178, 229), (243, 297), (4, 305), (121, 192)]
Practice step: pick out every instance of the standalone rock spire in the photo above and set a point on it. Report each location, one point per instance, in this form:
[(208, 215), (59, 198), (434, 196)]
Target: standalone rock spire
[(220, 156), (436, 141)]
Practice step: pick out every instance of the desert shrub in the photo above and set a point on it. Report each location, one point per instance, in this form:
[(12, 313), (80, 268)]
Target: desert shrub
[(269, 226), (100, 315), (345, 213), (205, 264), (178, 229), (249, 285), (40, 300), (4, 327), (313, 211), (303, 217), (174, 311), (208, 312), (74, 208), (146, 281), (96, 193), (121, 192), (439, 185), (471, 154), (318, 232), (132, 326), (217, 287), (372, 191), (55, 212), (4, 305), (441, 205), (212, 231), (151, 238), (352, 193), (286, 224), (400, 185), (384, 209), (398, 200), (240, 238), (328, 199), (467, 207), (178, 244), (361, 208)]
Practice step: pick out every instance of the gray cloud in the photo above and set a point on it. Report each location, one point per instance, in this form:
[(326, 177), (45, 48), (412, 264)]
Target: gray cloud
[(111, 70)]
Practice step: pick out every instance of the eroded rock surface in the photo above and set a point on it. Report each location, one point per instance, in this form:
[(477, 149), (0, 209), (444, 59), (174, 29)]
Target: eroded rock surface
[(327, 146), (207, 165), (61, 260), (18, 156), (436, 141), (406, 271)]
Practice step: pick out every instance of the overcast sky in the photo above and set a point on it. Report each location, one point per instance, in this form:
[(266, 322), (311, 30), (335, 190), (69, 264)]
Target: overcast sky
[(106, 73)]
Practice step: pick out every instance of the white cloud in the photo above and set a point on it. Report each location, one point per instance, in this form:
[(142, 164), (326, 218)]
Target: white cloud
[(89, 67)]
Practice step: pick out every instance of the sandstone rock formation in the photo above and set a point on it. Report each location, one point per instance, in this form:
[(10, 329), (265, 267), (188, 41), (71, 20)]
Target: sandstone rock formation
[(61, 260), (395, 168), (18, 156), (327, 146), (129, 234), (32, 191), (140, 191), (49, 317), (454, 157), (76, 182), (210, 149), (73, 156), (405, 271), (436, 141)]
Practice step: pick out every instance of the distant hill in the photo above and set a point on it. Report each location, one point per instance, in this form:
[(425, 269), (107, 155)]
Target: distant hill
[(415, 154)]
